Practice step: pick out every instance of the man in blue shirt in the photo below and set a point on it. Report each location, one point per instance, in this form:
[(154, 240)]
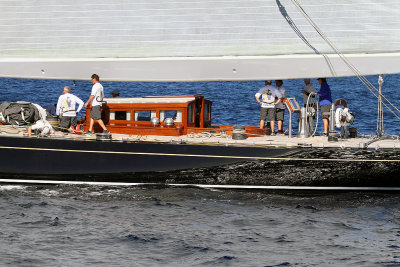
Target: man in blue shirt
[(325, 103)]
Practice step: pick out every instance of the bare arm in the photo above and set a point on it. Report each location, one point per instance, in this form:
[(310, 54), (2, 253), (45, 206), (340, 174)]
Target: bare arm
[(258, 100), (89, 100), (30, 131)]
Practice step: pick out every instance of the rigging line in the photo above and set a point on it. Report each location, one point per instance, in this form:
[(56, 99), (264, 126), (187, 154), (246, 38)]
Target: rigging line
[(363, 79), (302, 37)]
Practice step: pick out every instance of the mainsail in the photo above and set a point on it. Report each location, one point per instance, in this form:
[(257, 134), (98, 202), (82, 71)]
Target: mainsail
[(157, 40)]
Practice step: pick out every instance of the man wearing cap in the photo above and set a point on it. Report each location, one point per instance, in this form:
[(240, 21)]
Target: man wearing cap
[(66, 110), (43, 126), (115, 93), (270, 98)]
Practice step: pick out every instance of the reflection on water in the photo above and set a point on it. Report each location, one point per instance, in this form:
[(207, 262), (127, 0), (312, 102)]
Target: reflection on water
[(136, 226)]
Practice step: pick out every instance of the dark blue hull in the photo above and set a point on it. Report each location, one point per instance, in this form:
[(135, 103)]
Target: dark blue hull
[(146, 162), (48, 156)]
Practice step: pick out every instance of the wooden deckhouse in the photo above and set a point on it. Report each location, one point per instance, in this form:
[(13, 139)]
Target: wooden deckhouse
[(161, 115)]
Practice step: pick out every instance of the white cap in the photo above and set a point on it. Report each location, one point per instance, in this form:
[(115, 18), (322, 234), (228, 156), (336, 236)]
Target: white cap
[(46, 130)]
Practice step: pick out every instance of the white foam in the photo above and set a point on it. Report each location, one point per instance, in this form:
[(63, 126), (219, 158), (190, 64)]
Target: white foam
[(50, 193), (257, 187), (11, 187)]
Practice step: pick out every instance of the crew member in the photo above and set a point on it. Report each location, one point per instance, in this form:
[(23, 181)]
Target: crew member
[(270, 97), (280, 107), (43, 127), (115, 93), (96, 96), (307, 91), (325, 102), (66, 110)]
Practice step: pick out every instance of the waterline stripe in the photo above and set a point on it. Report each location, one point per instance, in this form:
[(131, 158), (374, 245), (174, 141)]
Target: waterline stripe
[(257, 187), (201, 156)]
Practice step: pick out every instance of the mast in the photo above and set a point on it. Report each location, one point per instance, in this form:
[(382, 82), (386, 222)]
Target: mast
[(379, 123)]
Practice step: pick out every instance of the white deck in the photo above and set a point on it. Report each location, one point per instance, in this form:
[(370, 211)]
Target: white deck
[(267, 141)]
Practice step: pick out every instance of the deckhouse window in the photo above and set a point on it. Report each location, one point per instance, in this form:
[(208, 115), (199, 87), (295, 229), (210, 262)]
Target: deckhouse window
[(144, 115), (176, 115), (190, 113), (120, 115), (207, 108)]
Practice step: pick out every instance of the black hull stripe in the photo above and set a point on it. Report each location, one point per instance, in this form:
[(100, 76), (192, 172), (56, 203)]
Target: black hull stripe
[(197, 155)]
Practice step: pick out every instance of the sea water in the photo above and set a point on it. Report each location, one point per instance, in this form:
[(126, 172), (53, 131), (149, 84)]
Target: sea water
[(136, 226), (71, 225), (233, 102)]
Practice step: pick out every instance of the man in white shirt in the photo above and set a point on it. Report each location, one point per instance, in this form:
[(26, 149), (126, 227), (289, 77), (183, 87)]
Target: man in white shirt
[(270, 97), (96, 96), (66, 110), (42, 126)]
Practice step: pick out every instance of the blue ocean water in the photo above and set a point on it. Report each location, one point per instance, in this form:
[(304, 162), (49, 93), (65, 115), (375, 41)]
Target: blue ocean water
[(131, 226), (49, 225), (233, 102)]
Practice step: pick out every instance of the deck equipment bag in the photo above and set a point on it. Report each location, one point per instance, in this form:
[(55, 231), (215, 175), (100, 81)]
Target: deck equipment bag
[(18, 113)]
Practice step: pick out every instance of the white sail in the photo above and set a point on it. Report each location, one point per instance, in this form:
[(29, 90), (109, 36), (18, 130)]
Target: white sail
[(156, 40)]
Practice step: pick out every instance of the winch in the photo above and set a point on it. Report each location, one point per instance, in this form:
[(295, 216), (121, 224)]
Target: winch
[(306, 118), (340, 118)]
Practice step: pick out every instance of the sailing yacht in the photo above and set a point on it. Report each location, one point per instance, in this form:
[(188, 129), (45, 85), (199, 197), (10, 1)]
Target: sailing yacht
[(190, 40)]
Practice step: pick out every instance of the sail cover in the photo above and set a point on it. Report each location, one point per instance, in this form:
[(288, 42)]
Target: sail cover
[(191, 40)]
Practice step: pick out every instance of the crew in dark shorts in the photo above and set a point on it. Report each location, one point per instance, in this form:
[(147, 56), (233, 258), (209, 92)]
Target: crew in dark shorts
[(95, 99), (325, 102), (66, 110), (269, 96), (280, 107)]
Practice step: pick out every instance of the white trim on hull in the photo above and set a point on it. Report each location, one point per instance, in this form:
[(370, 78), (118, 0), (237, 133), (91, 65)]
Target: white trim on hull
[(199, 68), (255, 187)]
